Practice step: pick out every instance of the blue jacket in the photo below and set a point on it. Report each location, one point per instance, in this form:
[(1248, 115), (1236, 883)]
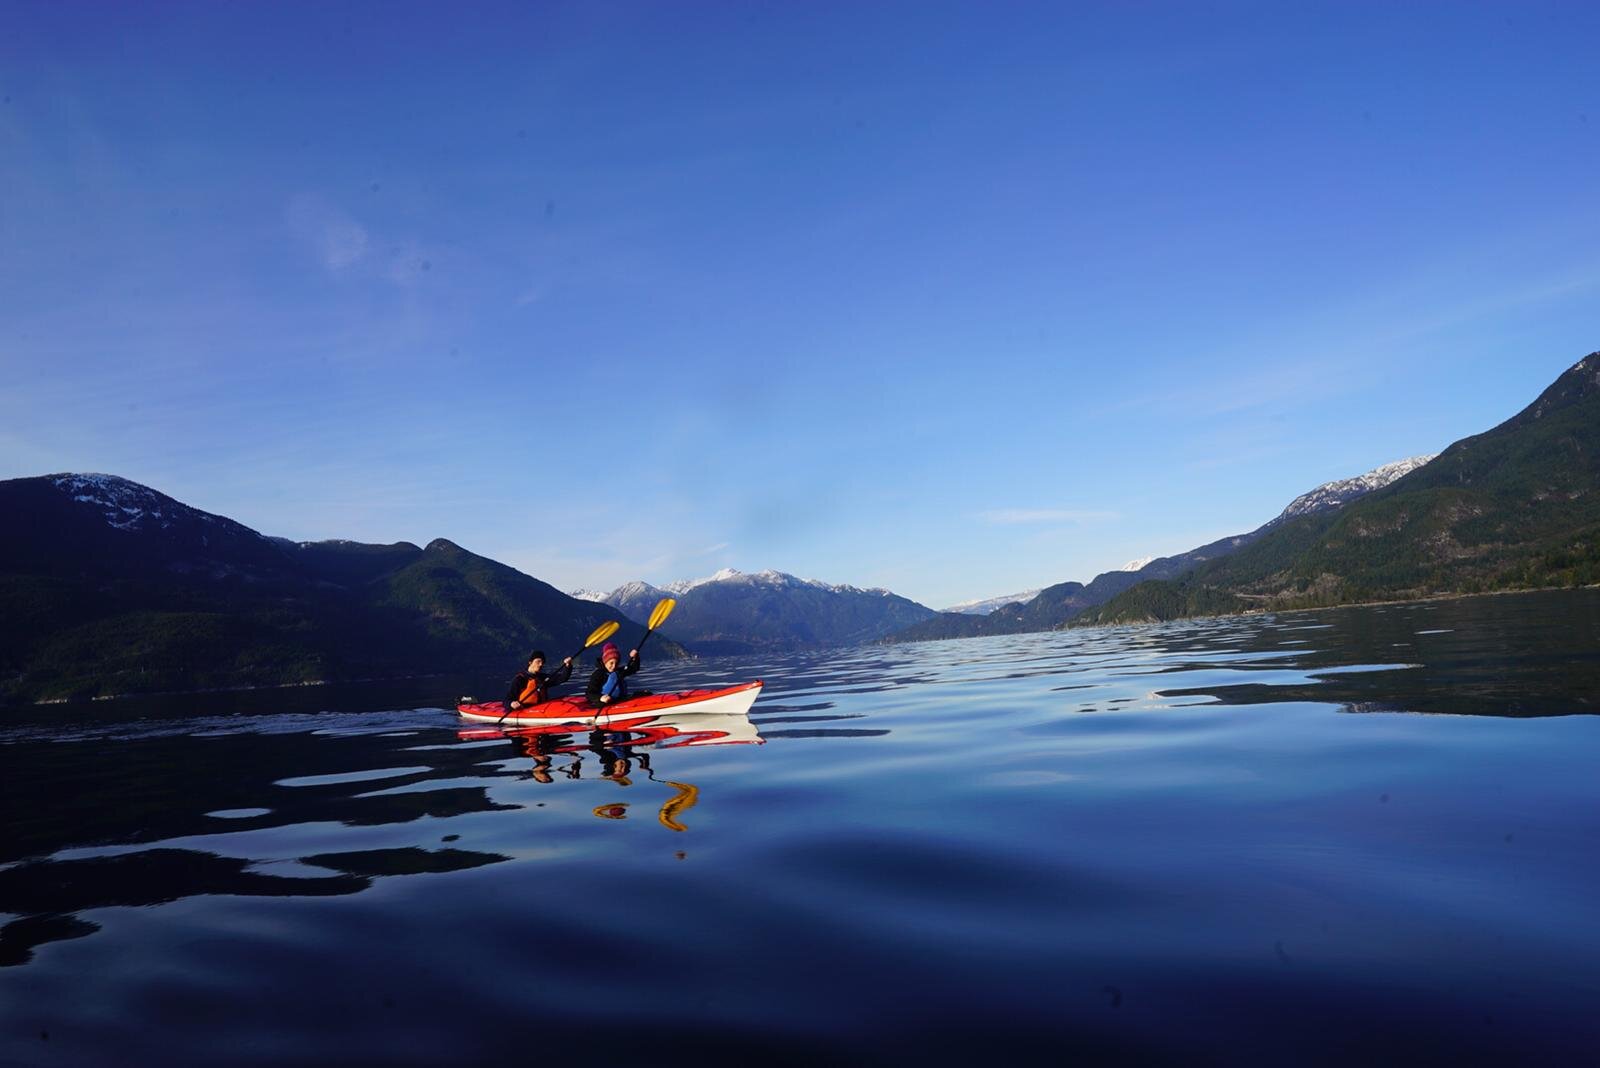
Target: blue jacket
[(611, 683)]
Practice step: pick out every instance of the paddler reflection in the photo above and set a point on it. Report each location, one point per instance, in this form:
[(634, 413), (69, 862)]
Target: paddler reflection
[(618, 764), (622, 748), (542, 748)]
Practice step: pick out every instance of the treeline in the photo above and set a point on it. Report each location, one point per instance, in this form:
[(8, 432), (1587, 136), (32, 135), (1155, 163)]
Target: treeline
[(1515, 508)]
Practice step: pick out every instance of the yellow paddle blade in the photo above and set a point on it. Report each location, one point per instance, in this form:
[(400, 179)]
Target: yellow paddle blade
[(662, 610), (686, 798), (601, 633)]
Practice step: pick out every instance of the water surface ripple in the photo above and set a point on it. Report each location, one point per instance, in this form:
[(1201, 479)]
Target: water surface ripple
[(1352, 835)]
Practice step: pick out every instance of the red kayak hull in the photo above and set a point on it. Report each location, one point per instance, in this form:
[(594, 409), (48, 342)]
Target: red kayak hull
[(730, 700)]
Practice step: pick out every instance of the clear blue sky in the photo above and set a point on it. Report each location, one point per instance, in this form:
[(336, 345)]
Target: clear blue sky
[(955, 299)]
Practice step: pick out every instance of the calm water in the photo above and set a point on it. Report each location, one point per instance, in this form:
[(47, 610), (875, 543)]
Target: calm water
[(1349, 835)]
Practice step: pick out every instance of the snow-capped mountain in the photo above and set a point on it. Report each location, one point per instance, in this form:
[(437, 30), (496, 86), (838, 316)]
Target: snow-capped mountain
[(129, 506), (988, 604), (634, 599), (118, 588), (95, 516), (1055, 605), (685, 585), (769, 579), (1341, 492), (733, 611)]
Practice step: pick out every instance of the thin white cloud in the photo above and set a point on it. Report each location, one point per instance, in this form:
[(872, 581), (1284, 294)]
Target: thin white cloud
[(1017, 516), (333, 235)]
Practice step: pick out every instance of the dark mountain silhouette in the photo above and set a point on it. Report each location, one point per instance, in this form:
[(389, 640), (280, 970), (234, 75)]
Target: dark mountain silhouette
[(111, 587), (1516, 507)]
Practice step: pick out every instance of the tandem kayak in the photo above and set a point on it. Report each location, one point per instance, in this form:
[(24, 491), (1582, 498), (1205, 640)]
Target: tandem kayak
[(650, 730), (731, 700)]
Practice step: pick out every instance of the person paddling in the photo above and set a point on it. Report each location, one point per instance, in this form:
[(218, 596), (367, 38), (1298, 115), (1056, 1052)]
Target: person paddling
[(609, 683), (532, 687)]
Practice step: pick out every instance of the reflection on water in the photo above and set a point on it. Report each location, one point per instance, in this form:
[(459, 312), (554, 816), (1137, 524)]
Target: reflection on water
[(1149, 844), (617, 747), (157, 782), (1500, 656)]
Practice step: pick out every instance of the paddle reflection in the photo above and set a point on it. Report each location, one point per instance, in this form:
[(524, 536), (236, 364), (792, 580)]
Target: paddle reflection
[(621, 749)]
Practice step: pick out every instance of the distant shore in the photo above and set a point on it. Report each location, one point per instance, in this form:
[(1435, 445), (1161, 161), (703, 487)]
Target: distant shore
[(1425, 599)]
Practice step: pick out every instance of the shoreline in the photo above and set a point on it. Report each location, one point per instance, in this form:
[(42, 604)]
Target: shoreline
[(1067, 626), (307, 684), (1425, 599)]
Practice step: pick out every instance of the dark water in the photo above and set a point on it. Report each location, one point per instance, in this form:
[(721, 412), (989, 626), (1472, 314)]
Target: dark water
[(1350, 836)]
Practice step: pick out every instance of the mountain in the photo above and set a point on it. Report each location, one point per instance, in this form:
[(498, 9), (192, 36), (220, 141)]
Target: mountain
[(735, 612), (1055, 605), (1331, 495), (112, 587), (1515, 507), (635, 599), (989, 604)]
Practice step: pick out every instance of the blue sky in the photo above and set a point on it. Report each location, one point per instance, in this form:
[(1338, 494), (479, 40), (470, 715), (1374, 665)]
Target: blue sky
[(954, 299)]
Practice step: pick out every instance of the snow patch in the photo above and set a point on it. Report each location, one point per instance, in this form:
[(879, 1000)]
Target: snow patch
[(629, 591), (685, 585), (1336, 494), (129, 506), (769, 579), (988, 604)]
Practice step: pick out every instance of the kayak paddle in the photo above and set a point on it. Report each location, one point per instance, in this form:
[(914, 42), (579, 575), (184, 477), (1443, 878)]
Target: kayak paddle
[(658, 616), (598, 635)]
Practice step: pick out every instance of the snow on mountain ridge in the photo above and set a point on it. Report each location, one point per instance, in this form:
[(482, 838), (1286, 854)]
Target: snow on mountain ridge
[(685, 585), (984, 606), (127, 504), (769, 579), (1137, 565), (1344, 490), (630, 590)]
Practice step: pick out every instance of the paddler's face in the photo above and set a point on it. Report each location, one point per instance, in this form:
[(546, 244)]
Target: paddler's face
[(536, 664), (611, 663)]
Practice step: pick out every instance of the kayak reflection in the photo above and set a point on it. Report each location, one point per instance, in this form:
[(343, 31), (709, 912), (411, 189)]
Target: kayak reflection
[(622, 747)]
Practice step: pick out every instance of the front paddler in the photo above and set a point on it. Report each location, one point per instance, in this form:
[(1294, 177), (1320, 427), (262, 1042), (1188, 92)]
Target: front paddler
[(609, 683), (532, 686)]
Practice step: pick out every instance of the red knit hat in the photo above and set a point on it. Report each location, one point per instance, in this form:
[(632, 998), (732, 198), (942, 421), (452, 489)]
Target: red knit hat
[(607, 651)]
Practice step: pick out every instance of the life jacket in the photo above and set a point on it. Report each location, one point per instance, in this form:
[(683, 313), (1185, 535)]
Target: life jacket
[(533, 693)]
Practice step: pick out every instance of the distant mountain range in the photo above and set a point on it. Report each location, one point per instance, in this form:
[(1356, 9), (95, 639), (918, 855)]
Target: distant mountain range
[(735, 612), (989, 604), (1515, 507), (1054, 606), (111, 587)]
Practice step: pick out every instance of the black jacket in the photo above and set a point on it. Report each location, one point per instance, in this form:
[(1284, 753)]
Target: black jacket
[(597, 681), (543, 679)]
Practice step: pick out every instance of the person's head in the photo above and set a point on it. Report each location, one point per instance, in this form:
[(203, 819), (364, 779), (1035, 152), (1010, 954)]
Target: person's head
[(609, 656), (536, 660)]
